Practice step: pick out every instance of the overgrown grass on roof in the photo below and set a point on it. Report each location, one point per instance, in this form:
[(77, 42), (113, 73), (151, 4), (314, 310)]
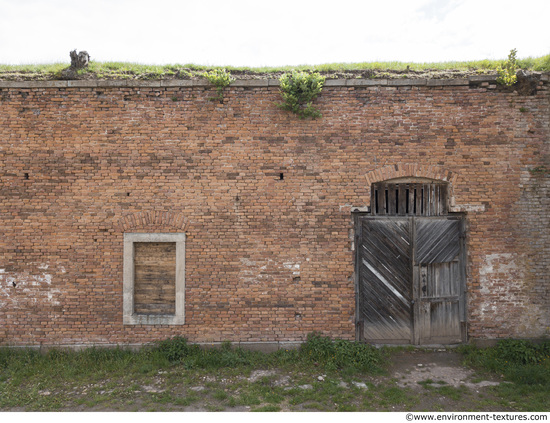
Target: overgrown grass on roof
[(120, 69)]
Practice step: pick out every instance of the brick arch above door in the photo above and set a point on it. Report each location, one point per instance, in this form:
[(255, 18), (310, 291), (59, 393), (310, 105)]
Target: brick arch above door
[(402, 170), (153, 221)]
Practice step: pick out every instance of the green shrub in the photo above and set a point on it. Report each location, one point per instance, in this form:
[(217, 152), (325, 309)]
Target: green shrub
[(520, 361), (518, 351), (540, 170), (298, 90), (507, 73), (220, 78), (18, 357), (340, 354), (529, 374), (224, 357), (176, 349)]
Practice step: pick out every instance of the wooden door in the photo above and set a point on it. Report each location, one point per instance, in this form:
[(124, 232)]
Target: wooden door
[(385, 292), (438, 280), (410, 283)]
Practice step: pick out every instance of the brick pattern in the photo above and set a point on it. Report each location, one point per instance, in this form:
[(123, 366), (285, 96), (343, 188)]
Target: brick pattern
[(265, 200)]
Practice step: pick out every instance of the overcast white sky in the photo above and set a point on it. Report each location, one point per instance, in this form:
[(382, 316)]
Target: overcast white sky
[(271, 33)]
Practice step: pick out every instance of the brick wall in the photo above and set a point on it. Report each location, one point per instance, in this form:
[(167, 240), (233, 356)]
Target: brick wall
[(264, 198)]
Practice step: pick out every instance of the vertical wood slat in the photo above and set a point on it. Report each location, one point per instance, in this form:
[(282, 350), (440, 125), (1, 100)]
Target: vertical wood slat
[(435, 200), (381, 201), (437, 211), (422, 199), (444, 201), (403, 200), (391, 201), (410, 199), (426, 200)]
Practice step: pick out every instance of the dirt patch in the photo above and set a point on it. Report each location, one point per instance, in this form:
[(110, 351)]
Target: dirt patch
[(412, 369)]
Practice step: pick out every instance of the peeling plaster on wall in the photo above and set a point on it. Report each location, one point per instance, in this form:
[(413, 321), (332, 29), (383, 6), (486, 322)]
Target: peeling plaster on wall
[(346, 207), (472, 208), (295, 267), (503, 287), (249, 272), (25, 290), (254, 272)]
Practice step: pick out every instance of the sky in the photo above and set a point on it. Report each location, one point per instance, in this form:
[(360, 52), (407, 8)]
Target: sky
[(271, 33)]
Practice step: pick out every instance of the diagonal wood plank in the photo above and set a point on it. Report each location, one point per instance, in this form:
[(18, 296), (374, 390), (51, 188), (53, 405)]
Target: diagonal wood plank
[(437, 240), (384, 281)]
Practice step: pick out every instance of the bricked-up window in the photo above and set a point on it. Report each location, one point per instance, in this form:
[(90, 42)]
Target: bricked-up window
[(409, 198), (154, 279)]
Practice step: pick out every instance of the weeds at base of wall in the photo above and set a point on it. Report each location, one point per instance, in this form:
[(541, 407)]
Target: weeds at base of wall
[(110, 378), (519, 361), (157, 379), (318, 350)]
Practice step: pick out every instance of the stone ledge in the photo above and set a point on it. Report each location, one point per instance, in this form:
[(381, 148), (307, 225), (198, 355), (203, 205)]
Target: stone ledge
[(402, 82), (33, 84), (365, 82), (82, 84), (482, 78), (446, 82), (182, 83), (334, 83), (245, 83), (250, 83)]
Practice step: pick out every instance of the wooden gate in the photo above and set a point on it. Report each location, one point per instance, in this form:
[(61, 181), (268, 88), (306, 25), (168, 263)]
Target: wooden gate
[(410, 280)]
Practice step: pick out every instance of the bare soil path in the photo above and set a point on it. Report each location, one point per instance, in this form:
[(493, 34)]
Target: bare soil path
[(442, 367)]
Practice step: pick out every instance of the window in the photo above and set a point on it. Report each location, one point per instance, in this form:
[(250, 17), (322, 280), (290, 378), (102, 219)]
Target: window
[(409, 198), (154, 279)]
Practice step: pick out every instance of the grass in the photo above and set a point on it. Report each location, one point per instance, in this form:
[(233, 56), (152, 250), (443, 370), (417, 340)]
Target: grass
[(169, 374), (524, 364), (123, 70), (174, 375)]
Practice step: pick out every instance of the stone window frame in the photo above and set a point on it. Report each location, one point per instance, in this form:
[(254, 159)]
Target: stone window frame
[(131, 318)]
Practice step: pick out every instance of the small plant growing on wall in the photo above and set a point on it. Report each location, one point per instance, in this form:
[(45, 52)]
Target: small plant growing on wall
[(540, 170), (507, 73), (220, 78), (298, 90)]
